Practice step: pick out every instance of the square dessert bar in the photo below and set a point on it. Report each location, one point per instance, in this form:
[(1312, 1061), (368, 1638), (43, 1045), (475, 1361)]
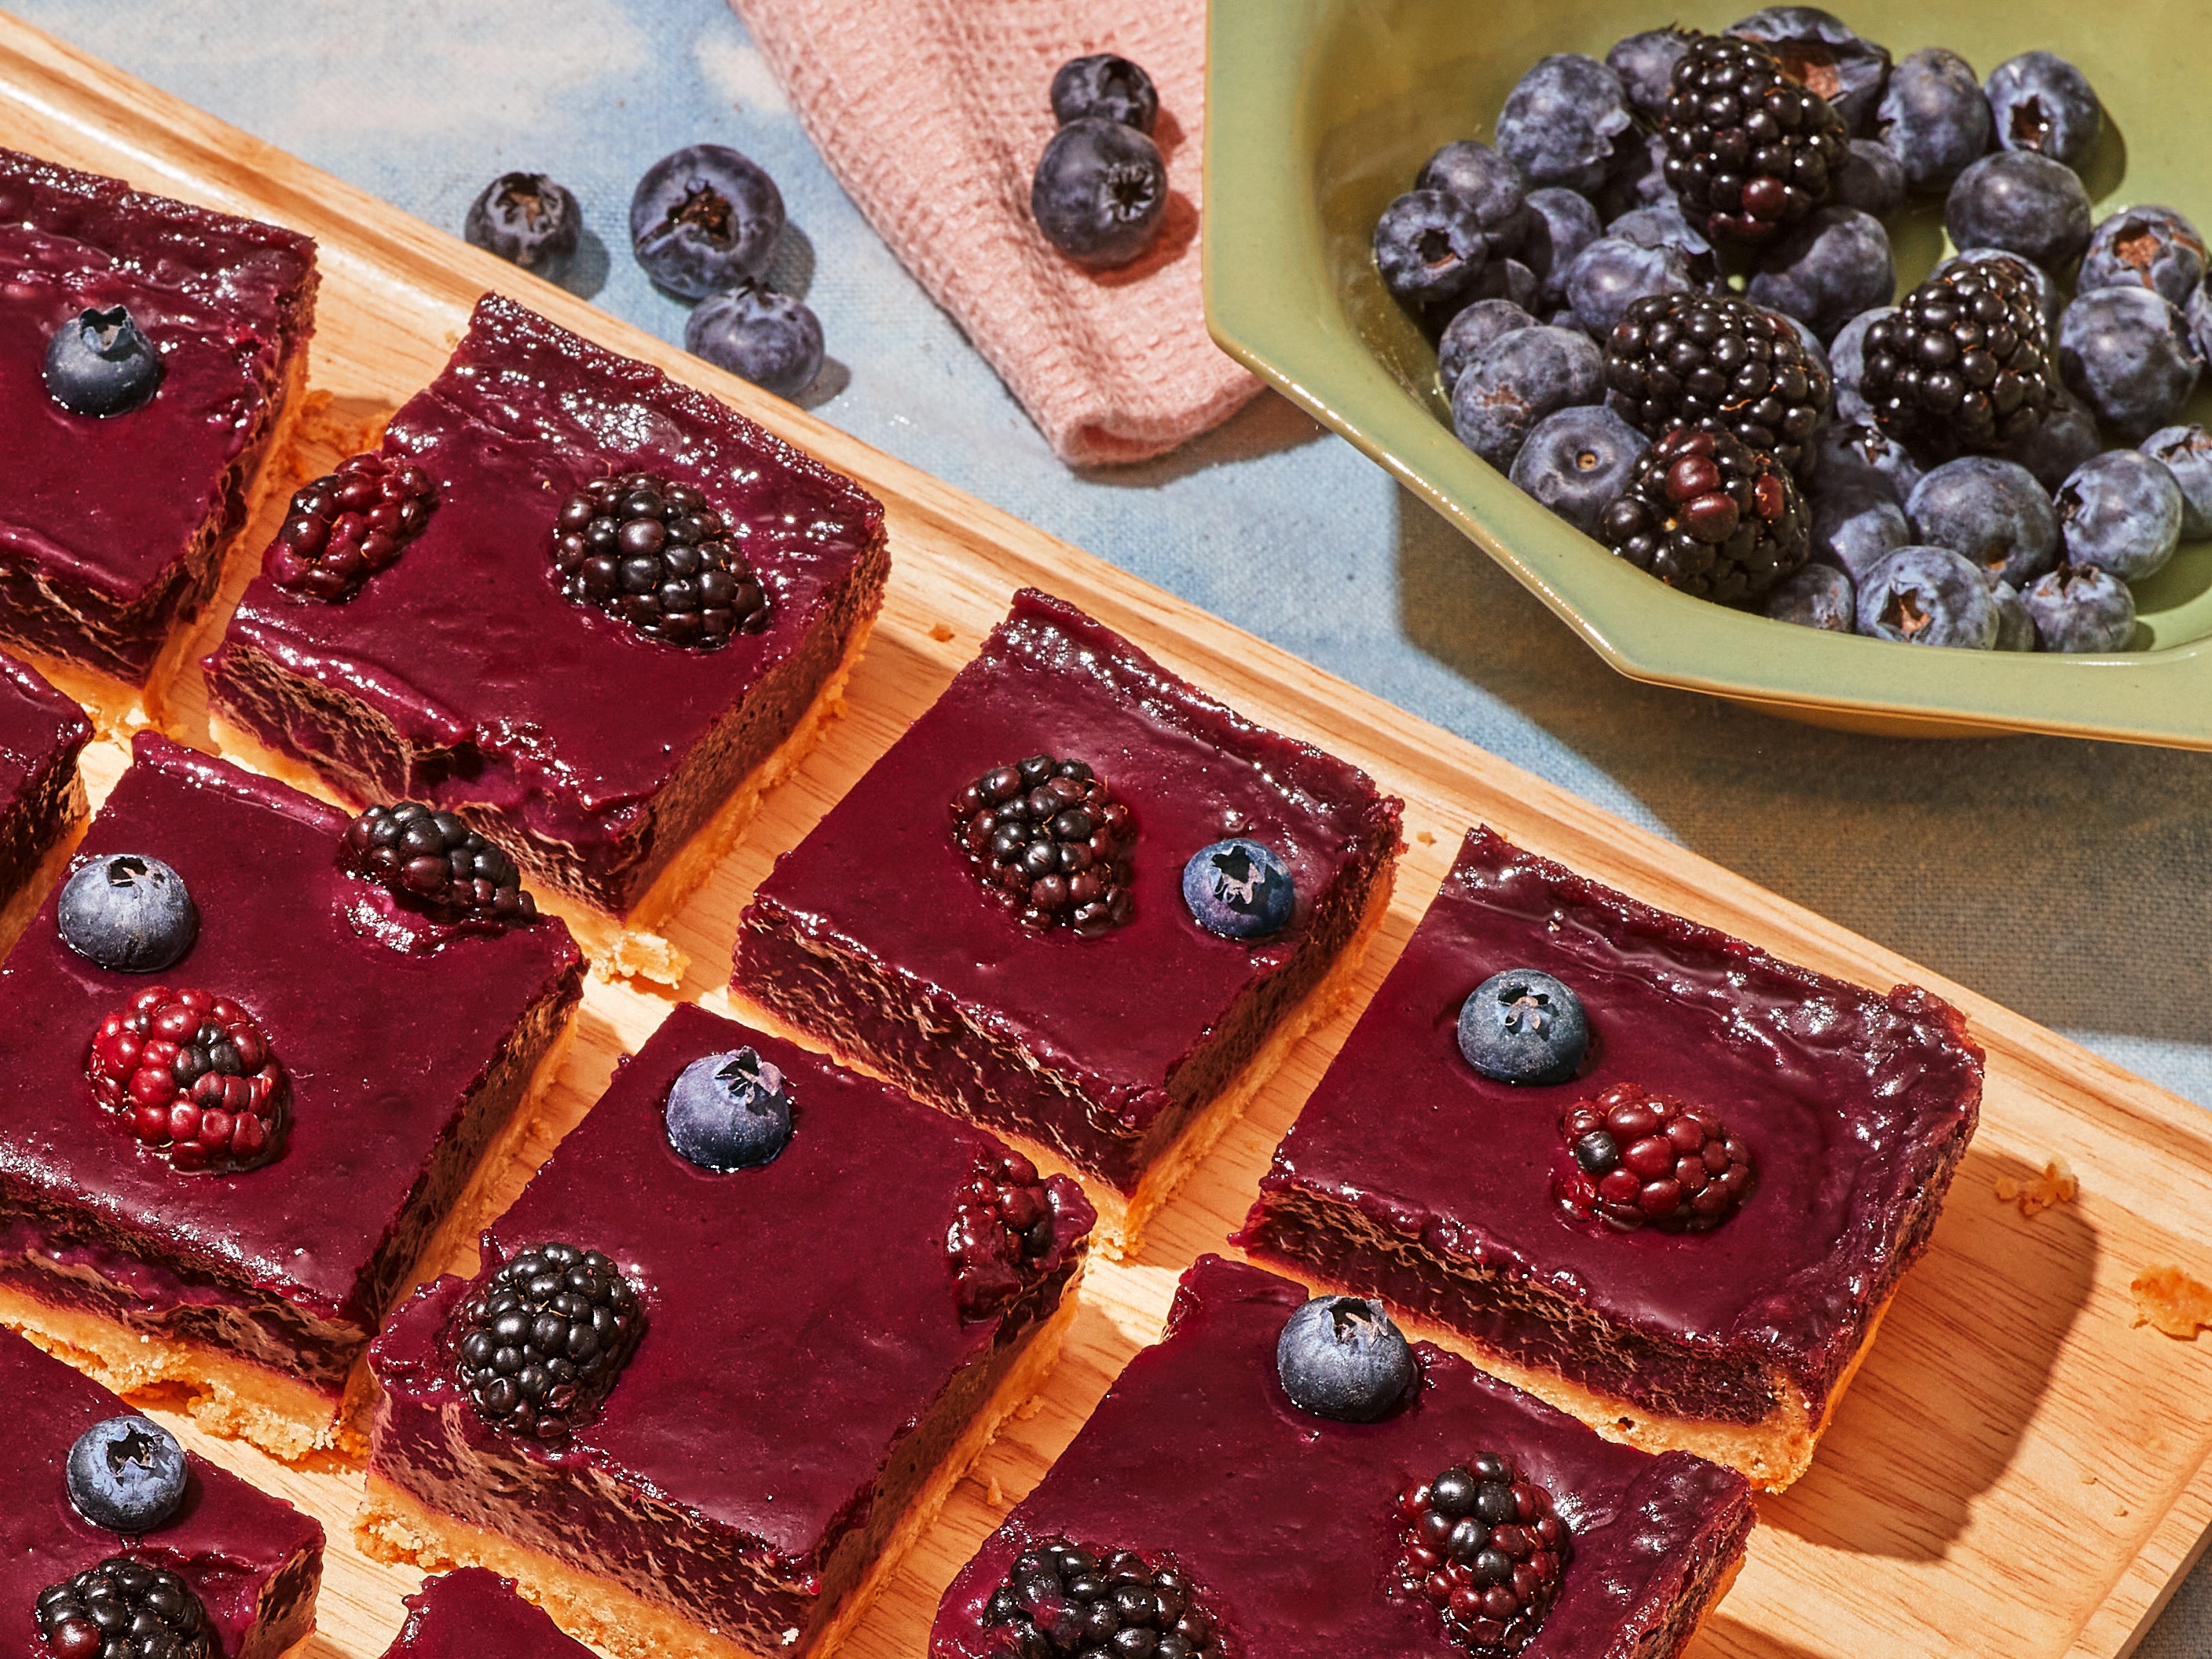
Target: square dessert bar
[(113, 527), (1123, 1040), (617, 756), (1691, 1239), (828, 1339), (476, 1614), (252, 1272), (253, 1562), (1218, 1518), (42, 802)]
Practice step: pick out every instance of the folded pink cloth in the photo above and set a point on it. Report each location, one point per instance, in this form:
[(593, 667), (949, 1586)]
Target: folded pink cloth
[(933, 114)]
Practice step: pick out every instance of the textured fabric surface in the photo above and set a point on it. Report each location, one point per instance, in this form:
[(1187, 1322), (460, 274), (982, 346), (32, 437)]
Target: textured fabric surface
[(2068, 880), (933, 114)]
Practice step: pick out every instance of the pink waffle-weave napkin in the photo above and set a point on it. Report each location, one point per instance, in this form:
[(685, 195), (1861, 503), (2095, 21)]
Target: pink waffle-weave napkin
[(933, 114)]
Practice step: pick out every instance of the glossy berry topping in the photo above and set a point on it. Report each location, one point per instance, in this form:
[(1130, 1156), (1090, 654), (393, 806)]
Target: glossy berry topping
[(1002, 1230), (127, 1474), (1635, 1159), (1239, 889), (1048, 837), (435, 859), (728, 1112), (100, 363), (347, 524), (1521, 1026), (1340, 1356), (192, 1077), (127, 912), (1061, 1600), (124, 1609), (1749, 152), (1706, 512), (544, 1341), (655, 555), (1483, 1545)]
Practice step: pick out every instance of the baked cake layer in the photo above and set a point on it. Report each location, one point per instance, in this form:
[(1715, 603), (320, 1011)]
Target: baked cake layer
[(875, 935), (460, 674), (805, 1368)]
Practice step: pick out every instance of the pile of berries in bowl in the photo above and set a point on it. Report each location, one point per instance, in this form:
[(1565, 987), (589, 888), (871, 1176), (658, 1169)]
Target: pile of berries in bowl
[(1663, 300)]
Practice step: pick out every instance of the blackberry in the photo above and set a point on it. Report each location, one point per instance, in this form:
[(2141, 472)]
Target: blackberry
[(1062, 1600), (545, 1339), (1963, 365), (655, 555), (124, 1609), (1636, 1159), (435, 857), (1002, 1230), (349, 525), (1485, 1544), (1707, 514), (1048, 837), (1749, 151), (1720, 363), (193, 1076)]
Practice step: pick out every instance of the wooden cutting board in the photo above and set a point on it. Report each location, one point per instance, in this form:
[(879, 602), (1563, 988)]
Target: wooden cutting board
[(2020, 1470)]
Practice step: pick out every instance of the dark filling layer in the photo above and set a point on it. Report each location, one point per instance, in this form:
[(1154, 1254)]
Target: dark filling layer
[(49, 801)]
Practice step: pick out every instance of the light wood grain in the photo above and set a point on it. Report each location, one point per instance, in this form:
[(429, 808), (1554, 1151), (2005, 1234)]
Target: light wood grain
[(2018, 1470)]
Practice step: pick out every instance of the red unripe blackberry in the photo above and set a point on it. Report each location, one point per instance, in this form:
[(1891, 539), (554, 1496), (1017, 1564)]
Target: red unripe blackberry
[(538, 1348), (1001, 1230), (124, 1609), (655, 555), (1634, 1158), (1749, 151), (1720, 363), (1048, 837), (1706, 512), (347, 524), (192, 1076), (434, 857), (1061, 1600), (1963, 366), (1485, 1545)]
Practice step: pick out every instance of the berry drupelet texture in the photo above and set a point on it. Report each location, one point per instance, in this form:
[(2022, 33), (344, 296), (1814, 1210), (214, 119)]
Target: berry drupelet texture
[(1485, 1544), (1962, 367), (1061, 1600), (1720, 364), (1002, 1229), (347, 524), (192, 1077), (1707, 514), (1637, 1159), (1048, 837), (124, 1609), (541, 1346), (1749, 152), (656, 555), (435, 857)]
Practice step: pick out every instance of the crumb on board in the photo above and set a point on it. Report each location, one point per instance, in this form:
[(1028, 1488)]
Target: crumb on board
[(940, 633), (993, 1495), (2056, 1185), (1425, 837), (2171, 1300), (1029, 1408)]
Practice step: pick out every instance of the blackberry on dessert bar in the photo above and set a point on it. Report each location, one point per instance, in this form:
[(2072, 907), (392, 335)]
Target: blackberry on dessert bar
[(1048, 837), (1749, 152), (124, 1609), (657, 556), (1963, 365), (1706, 513), (193, 1078), (545, 1340), (347, 524), (1001, 1230), (1486, 1546), (1061, 1600), (435, 857), (1721, 363), (1638, 1158)]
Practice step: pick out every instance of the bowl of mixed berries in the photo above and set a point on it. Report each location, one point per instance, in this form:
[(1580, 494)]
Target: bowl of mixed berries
[(1761, 346)]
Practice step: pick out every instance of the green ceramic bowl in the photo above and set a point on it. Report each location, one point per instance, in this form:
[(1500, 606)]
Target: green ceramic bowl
[(1319, 112)]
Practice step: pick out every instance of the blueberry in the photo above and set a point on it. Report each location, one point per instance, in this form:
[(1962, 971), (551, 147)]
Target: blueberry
[(1239, 889), (2121, 512), (1471, 331), (1662, 225), (2041, 103), (2151, 247), (1992, 512), (2016, 628), (702, 218), (1927, 596), (1577, 462), (1508, 280), (1492, 185), (1613, 273), (2187, 452), (1834, 266), (2126, 353), (527, 219), (2068, 437), (2198, 315), (1934, 117), (127, 1474), (1815, 596), (1430, 246), (769, 338), (1521, 1026), (1100, 192), (2080, 608), (101, 363), (2047, 294), (1340, 1356), (1645, 64), (1855, 525), (2020, 201), (1555, 226), (728, 1112), (1847, 363), (1639, 178), (1820, 51), (1562, 119), (127, 912), (1871, 180), (1103, 85), (1517, 381), (1861, 449)]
